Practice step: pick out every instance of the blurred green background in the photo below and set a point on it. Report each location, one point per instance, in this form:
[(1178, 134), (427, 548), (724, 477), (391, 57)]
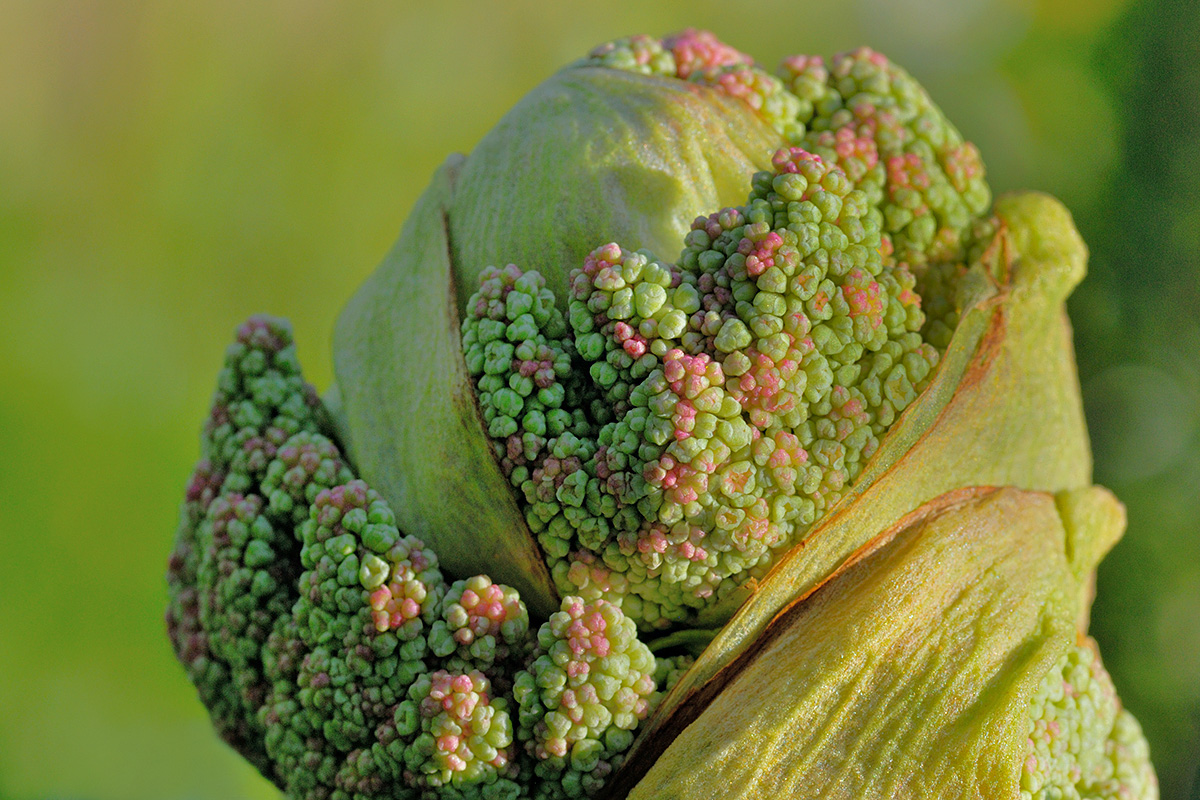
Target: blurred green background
[(168, 169)]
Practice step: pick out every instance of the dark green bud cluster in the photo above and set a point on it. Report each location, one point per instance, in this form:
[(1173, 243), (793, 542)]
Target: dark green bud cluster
[(261, 401), (667, 672), (306, 464), (523, 366), (328, 646), (233, 569)]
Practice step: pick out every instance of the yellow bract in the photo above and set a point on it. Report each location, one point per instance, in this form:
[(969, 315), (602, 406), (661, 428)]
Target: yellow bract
[(907, 675)]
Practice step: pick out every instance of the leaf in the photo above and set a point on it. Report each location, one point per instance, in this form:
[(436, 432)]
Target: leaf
[(405, 408), (1094, 520), (595, 155)]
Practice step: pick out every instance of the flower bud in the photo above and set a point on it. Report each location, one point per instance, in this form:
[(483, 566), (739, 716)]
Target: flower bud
[(761, 419)]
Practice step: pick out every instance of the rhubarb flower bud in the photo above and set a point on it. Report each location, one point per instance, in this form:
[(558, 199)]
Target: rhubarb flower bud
[(761, 418)]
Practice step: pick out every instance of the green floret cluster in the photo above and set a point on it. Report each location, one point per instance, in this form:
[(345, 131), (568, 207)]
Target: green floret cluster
[(233, 570), (1081, 743), (682, 423), (484, 624), (667, 672), (465, 734), (680, 55), (582, 698), (702, 58), (873, 120), (328, 646), (858, 111)]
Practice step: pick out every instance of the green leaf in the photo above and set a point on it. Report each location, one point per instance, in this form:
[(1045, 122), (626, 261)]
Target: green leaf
[(1094, 520), (405, 409), (594, 155)]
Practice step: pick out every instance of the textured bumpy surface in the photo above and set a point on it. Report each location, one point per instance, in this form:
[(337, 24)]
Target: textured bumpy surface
[(582, 699), (234, 569), (331, 651), (669, 430), (859, 111), (1082, 744), (684, 422)]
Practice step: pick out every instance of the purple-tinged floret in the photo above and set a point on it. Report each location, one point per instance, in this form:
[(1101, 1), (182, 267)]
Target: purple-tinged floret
[(306, 464), (465, 736), (696, 51)]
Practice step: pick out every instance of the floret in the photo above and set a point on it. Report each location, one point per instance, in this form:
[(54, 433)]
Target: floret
[(583, 696), (878, 122), (523, 364), (465, 737), (327, 645), (485, 624), (667, 672), (680, 55), (731, 398), (695, 51), (1081, 743), (306, 464), (367, 597)]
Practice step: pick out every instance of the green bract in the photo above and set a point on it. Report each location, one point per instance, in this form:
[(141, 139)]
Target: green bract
[(762, 420)]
